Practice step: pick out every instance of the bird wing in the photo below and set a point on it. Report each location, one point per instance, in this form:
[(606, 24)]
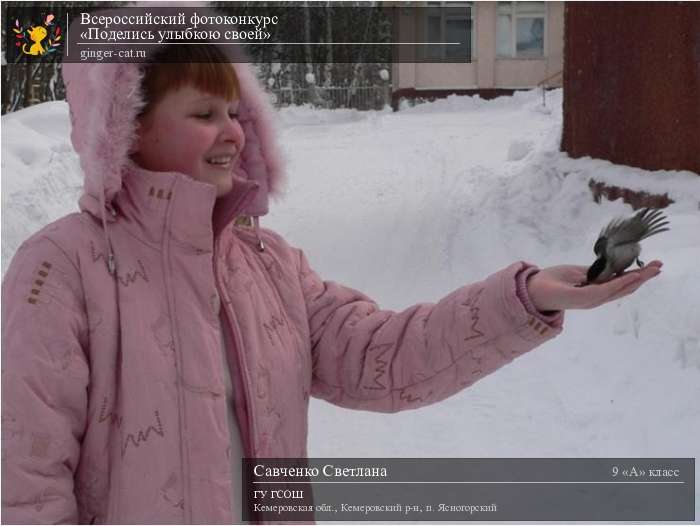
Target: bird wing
[(643, 224)]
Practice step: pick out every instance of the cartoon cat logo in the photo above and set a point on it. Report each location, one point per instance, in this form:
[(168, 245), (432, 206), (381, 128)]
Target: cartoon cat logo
[(30, 41)]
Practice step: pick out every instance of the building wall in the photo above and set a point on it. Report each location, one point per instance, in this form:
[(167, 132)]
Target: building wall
[(522, 72), (486, 72), (632, 83)]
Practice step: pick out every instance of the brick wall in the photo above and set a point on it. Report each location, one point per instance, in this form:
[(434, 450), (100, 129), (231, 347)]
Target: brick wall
[(632, 83)]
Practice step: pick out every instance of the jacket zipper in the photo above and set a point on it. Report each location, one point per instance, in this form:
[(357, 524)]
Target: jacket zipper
[(181, 404)]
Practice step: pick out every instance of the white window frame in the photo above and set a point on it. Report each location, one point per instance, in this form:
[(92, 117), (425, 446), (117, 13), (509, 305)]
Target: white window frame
[(514, 16), (443, 25)]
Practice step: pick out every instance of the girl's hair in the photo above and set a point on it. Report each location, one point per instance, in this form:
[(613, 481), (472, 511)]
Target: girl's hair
[(204, 67)]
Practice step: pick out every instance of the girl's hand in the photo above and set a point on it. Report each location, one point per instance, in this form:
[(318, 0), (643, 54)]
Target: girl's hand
[(554, 288)]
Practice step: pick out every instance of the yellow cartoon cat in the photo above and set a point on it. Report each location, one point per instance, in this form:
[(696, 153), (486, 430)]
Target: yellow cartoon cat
[(37, 34)]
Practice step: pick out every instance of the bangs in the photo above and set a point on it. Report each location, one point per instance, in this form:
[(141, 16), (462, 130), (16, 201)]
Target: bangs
[(204, 67)]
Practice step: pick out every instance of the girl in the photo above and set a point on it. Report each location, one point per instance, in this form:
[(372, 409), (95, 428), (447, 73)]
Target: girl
[(157, 336)]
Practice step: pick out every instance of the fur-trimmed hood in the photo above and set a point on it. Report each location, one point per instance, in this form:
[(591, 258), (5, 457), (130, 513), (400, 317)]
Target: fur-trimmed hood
[(104, 101)]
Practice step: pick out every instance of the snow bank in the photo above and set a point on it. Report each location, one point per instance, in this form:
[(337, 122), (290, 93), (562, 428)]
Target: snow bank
[(407, 206)]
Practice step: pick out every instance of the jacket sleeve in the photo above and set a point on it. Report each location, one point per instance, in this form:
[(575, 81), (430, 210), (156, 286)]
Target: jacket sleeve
[(45, 377), (379, 360)]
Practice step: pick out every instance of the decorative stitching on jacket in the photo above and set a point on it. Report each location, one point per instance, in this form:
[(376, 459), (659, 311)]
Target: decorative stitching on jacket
[(408, 397), (143, 435), (39, 501), (94, 315), (170, 486), (65, 353), (279, 320), (474, 312), (34, 292), (446, 343), (96, 255), (491, 342), (179, 504), (161, 193), (538, 326), (272, 266), (113, 418), (11, 428), (272, 326), (262, 387), (162, 334), (129, 277), (380, 365)]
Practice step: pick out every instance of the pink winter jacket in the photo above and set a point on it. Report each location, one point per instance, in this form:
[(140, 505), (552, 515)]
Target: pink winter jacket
[(113, 404)]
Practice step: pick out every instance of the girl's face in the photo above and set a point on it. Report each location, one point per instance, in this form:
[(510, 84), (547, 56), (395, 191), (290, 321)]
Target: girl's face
[(192, 132)]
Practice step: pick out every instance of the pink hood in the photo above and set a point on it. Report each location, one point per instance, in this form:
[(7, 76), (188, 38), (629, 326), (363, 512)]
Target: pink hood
[(104, 101)]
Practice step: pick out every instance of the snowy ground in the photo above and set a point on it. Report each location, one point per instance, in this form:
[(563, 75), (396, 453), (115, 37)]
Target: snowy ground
[(408, 206)]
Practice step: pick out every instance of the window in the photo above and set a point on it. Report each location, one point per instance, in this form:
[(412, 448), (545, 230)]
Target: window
[(449, 22), (520, 29)]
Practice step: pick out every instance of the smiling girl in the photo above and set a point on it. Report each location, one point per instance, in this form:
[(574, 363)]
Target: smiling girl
[(158, 336)]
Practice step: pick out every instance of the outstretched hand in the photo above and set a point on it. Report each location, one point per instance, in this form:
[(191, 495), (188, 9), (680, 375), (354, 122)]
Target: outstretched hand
[(554, 288)]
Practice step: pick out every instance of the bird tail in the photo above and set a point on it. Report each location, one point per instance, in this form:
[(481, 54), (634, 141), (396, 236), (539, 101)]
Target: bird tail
[(654, 222)]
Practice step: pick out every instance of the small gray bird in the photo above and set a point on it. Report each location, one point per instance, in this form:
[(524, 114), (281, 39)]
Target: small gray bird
[(618, 244)]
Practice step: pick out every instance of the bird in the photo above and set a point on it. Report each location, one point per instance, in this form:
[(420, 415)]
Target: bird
[(617, 246)]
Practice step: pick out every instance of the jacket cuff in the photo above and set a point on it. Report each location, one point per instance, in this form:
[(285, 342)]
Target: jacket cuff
[(549, 317)]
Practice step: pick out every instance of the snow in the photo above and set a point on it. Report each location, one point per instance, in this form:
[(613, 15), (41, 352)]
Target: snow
[(41, 178), (518, 150), (408, 206)]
